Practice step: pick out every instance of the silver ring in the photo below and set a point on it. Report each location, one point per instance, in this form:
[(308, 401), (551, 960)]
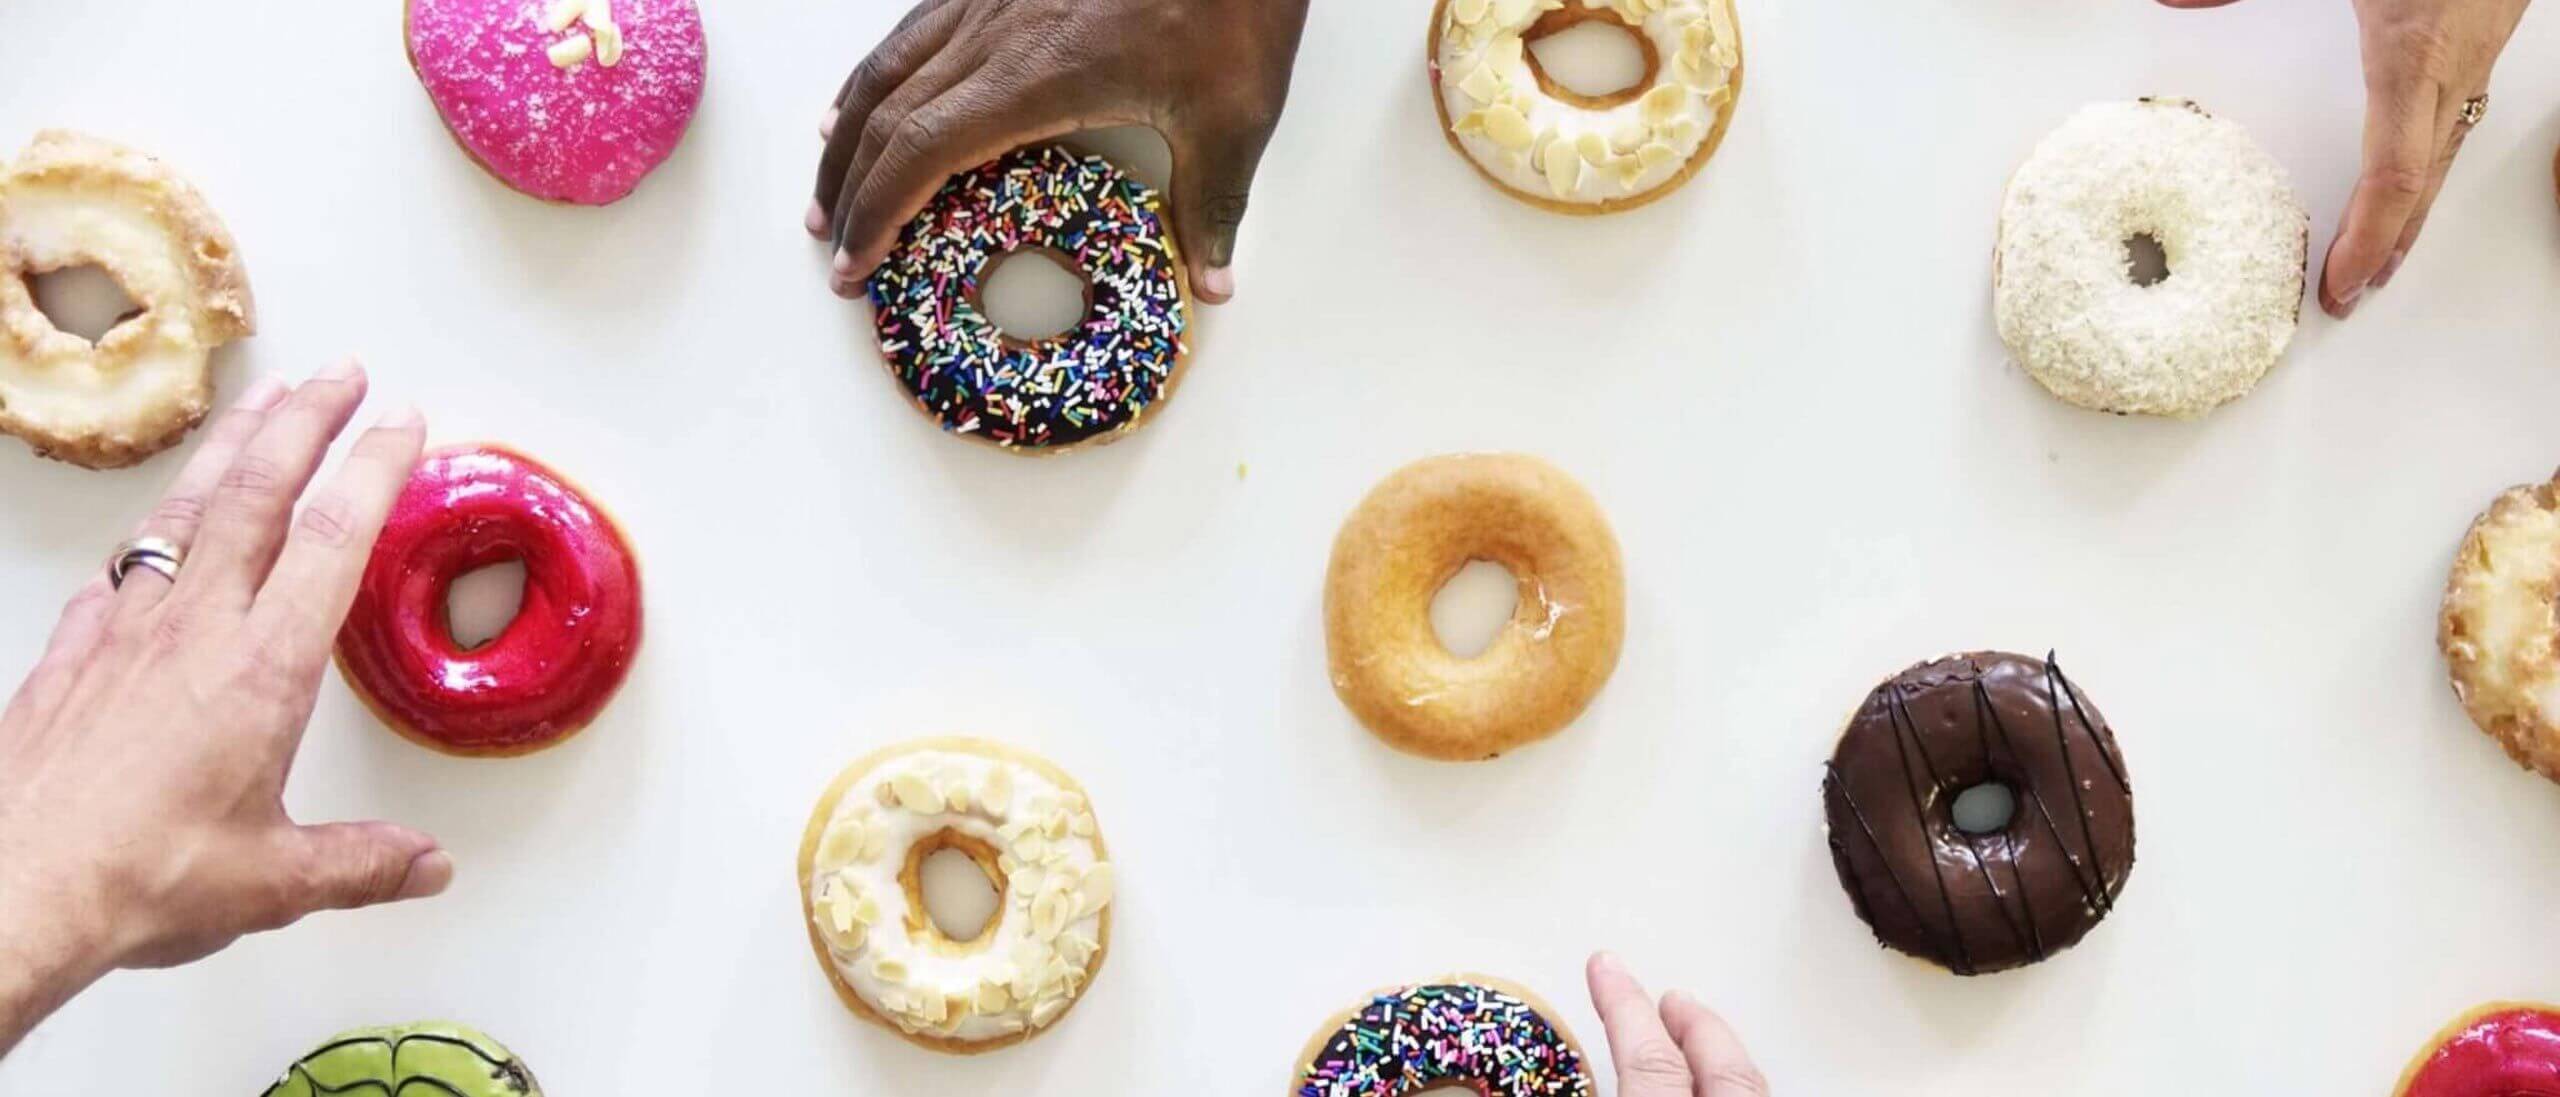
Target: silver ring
[(2474, 109), (149, 553)]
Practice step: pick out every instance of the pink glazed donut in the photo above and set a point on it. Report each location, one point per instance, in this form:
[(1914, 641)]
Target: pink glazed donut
[(565, 100)]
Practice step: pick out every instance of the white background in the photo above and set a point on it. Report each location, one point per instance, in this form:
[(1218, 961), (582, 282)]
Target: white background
[(1782, 382)]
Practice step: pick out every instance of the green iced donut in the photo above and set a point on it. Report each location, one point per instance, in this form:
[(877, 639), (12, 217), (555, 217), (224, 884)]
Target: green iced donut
[(427, 1059)]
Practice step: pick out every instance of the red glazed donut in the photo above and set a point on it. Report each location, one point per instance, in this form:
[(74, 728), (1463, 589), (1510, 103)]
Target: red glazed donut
[(2503, 1049), (553, 668)]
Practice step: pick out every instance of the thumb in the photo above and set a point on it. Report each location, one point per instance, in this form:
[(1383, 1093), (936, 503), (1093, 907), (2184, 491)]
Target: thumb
[(343, 866), (1213, 170)]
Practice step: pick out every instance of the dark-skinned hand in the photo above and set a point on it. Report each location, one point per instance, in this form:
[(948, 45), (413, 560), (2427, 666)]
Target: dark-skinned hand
[(2422, 60), (960, 82)]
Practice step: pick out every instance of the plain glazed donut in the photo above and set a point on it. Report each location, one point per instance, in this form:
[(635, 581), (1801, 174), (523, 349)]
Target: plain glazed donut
[(1466, 1032), (431, 1057), (2500, 625), (71, 200), (553, 669), (1414, 532), (2502, 1049), (1557, 149), (2232, 233), (565, 100), (1092, 384), (1979, 902), (1025, 823)]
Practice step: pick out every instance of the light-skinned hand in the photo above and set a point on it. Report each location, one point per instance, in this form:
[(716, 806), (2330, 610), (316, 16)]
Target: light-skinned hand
[(1676, 1048)]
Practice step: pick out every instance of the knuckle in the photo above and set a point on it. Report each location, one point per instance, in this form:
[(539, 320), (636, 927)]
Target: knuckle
[(253, 477), (1741, 1078), (178, 512), (1225, 210), (2404, 181), (1658, 1063), (2427, 49), (329, 523), (879, 128)]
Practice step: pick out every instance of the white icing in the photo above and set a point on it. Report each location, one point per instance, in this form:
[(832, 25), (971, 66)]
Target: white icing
[(1539, 145), (1040, 948), (152, 361)]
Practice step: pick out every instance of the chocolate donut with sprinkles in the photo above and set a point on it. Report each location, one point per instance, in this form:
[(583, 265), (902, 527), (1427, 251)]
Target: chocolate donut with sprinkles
[(1466, 1032), (1091, 384)]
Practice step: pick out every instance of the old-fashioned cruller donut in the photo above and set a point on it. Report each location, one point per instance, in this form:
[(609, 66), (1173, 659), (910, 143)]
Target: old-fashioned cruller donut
[(1558, 149), (1979, 902), (2501, 1049), (1025, 823), (1407, 539), (71, 200), (2500, 625), (553, 668), (436, 1058), (1463, 1032), (1091, 384)]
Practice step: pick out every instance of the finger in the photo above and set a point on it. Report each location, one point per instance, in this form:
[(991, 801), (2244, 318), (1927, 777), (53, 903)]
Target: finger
[(181, 510), (2399, 168), (244, 526), (1649, 1064), (306, 598), (898, 59), (342, 866), (1716, 1058), (2449, 145), (911, 116), (1212, 179), (2196, 3), (75, 635)]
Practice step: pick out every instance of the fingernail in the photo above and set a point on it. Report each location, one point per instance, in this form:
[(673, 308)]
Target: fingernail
[(262, 395), (2347, 300), (2390, 267), (429, 874), (827, 125), (844, 263), (1680, 997), (1218, 282), (404, 417), (341, 370), (816, 218), (1609, 963)]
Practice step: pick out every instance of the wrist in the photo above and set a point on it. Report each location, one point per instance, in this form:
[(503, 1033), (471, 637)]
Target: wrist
[(55, 940)]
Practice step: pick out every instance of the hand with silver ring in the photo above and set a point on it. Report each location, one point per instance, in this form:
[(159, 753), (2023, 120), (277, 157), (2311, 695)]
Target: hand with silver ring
[(2426, 77), (143, 761), (1678, 1048)]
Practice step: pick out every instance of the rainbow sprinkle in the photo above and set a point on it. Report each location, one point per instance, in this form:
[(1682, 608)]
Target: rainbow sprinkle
[(1440, 1034), (1095, 379)]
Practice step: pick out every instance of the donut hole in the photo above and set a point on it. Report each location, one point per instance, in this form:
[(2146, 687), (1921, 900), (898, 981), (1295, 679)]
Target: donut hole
[(2145, 260), (1470, 609), (482, 602), (1986, 808), (83, 300), (958, 895), (1588, 57), (1032, 302)]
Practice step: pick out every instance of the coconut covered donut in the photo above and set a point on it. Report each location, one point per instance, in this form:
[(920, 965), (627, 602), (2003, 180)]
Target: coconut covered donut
[(2225, 221), (1558, 149), (1088, 385), (70, 200), (2500, 625), (429, 1058), (1025, 823), (565, 100), (1459, 1032), (1407, 539)]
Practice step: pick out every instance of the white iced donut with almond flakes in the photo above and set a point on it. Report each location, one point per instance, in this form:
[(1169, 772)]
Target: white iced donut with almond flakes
[(1558, 149), (1025, 823)]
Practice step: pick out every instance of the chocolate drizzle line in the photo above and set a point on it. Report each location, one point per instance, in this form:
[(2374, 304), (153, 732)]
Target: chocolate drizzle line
[(1989, 918)]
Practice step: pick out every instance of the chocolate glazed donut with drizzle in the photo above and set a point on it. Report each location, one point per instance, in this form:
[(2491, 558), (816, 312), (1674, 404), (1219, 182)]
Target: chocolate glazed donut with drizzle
[(1977, 902)]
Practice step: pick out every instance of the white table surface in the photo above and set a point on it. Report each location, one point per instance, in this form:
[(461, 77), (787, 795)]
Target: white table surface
[(1783, 383)]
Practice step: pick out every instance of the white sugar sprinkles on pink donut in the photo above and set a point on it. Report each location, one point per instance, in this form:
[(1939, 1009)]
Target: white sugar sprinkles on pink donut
[(565, 100)]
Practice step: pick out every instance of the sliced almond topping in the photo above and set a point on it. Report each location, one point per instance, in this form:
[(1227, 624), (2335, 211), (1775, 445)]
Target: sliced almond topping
[(1594, 148), (994, 998), (887, 795), (915, 795), (888, 970), (1049, 915), (933, 1009), (1469, 12), (561, 13), (1512, 12), (995, 794), (1657, 155), (1507, 51), (842, 843), (1095, 890), (569, 53), (1047, 1011), (1508, 127), (1083, 826), (1663, 103), (1482, 85), (1564, 174)]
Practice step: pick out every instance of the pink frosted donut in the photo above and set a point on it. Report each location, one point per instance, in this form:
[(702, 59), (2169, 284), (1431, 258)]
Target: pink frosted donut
[(565, 100)]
